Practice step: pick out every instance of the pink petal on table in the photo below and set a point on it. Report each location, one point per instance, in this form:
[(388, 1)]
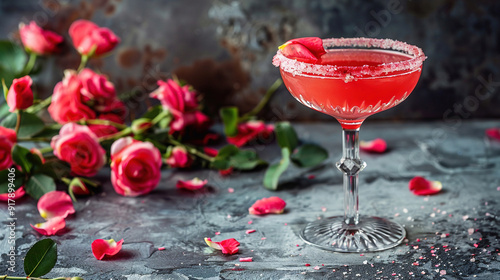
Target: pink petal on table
[(493, 133), (101, 248), (421, 186), (55, 204), (250, 231), (375, 146), (50, 227), (249, 259), (194, 184), (270, 205), (228, 246), (17, 194)]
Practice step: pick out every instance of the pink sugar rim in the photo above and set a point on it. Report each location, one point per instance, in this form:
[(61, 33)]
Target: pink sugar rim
[(297, 67)]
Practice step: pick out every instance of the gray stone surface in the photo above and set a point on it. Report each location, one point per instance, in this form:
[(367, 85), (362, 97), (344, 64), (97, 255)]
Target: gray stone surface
[(454, 232)]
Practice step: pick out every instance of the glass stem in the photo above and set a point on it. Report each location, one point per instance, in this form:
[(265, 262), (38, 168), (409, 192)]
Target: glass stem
[(351, 164)]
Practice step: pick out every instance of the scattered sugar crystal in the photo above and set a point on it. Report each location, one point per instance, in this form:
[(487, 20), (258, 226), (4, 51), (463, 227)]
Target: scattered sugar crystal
[(405, 210), (442, 272), (433, 215), (316, 268), (365, 262), (470, 231)]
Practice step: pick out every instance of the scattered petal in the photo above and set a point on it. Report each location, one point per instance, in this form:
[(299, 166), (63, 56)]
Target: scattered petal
[(421, 186), (310, 177), (194, 184), (217, 233), (493, 133), (230, 190), (228, 246), (101, 248), (250, 231), (51, 227), (250, 222), (161, 248), (316, 268), (375, 146), (307, 264), (249, 259), (271, 205), (17, 194), (55, 204)]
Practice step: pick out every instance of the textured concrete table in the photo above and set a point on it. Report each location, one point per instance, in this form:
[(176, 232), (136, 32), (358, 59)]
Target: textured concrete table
[(452, 235)]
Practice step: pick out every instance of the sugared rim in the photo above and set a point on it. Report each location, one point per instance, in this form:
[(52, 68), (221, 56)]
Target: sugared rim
[(350, 72)]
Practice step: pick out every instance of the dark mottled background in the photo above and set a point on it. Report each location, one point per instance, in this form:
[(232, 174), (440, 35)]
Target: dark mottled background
[(224, 48)]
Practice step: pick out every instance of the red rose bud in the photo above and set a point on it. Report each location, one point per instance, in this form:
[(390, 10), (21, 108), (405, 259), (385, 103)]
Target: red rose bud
[(37, 40), (78, 187), (20, 95), (141, 125), (179, 158), (90, 39)]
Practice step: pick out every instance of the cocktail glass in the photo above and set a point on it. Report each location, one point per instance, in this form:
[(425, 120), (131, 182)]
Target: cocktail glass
[(357, 77)]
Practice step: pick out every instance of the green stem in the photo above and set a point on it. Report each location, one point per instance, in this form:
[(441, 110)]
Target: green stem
[(160, 117), (45, 150), (44, 103), (117, 135), (263, 102), (5, 277), (18, 123), (31, 63), (83, 62), (104, 122), (191, 150)]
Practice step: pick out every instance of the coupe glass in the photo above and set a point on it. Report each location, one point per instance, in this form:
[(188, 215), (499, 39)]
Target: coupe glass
[(357, 77)]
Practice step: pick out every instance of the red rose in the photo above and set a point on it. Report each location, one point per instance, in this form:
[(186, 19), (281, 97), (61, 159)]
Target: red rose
[(102, 129), (67, 105), (37, 40), (174, 97), (20, 95), (96, 87), (249, 131), (86, 36), (7, 140), (179, 158), (79, 146), (135, 166)]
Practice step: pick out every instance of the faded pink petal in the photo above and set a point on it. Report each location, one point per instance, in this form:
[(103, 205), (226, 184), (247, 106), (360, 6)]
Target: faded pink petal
[(271, 205), (55, 204), (101, 248), (493, 133), (228, 246), (375, 146), (422, 186), (16, 195), (50, 227), (194, 184), (249, 259)]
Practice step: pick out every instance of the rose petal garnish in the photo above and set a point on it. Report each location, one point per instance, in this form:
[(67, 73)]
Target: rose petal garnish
[(249, 259), (228, 246), (194, 184), (51, 227), (493, 133), (101, 248), (55, 204), (375, 146), (307, 49), (421, 186), (271, 205)]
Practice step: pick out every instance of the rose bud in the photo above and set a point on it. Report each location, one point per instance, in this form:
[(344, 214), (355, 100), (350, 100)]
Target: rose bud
[(78, 187), (141, 125), (37, 40), (20, 95), (179, 158), (90, 39)]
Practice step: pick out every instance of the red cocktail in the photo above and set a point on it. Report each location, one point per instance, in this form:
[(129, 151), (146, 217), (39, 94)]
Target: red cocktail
[(350, 80)]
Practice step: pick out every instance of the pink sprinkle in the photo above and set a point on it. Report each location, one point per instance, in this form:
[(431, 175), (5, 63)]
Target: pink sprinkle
[(442, 272), (361, 254), (249, 259), (316, 268), (313, 176), (437, 265), (445, 246), (263, 238), (476, 245), (307, 264), (323, 208), (286, 224), (433, 251), (498, 188), (229, 216), (415, 247), (250, 222), (250, 231), (443, 235), (393, 274), (415, 263), (418, 239), (217, 233), (230, 190), (161, 248), (488, 214)]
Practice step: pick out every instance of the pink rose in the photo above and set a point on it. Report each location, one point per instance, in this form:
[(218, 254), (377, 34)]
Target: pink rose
[(101, 130), (249, 131), (37, 40), (135, 166), (174, 97), (86, 36), (196, 120), (20, 95), (67, 105), (179, 158), (96, 87), (79, 146), (7, 140)]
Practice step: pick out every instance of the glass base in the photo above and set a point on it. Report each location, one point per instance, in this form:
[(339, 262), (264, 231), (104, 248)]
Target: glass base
[(369, 235)]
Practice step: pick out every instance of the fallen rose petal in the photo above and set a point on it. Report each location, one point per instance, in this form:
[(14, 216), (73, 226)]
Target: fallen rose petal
[(271, 205), (250, 231), (161, 248), (493, 133), (249, 259), (51, 227), (210, 151), (55, 204), (228, 246), (17, 194), (194, 184), (101, 248), (421, 186), (375, 146)]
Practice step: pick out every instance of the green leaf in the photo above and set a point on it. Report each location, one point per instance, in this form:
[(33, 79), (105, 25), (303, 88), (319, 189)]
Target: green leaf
[(309, 155), (16, 179), (39, 184), (273, 173), (227, 151), (4, 109), (12, 60), (20, 156), (286, 136), (40, 258), (30, 124), (55, 169), (246, 160), (152, 112), (229, 116)]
